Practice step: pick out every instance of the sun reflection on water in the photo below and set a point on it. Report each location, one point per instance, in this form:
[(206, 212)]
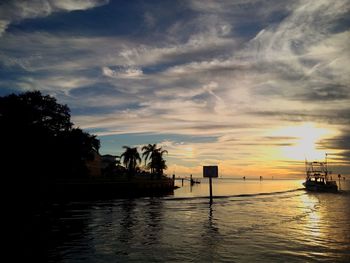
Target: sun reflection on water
[(313, 226)]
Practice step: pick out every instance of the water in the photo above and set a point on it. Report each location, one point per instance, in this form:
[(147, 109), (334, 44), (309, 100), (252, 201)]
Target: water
[(249, 221)]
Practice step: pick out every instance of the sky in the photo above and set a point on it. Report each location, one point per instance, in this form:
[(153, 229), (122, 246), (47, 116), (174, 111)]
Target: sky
[(253, 86)]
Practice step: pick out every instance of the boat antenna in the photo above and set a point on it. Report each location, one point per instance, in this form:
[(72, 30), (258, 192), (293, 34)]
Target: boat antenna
[(306, 169)]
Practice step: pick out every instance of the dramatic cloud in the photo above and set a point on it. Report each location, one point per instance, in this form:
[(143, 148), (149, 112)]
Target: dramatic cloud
[(210, 80)]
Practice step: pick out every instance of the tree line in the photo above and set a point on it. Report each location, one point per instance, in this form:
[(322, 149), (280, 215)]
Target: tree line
[(38, 141)]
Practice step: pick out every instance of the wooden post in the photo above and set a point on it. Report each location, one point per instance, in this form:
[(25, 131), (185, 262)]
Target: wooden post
[(210, 190), (191, 183)]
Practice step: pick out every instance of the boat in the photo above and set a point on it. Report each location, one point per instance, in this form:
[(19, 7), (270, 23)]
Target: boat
[(318, 177)]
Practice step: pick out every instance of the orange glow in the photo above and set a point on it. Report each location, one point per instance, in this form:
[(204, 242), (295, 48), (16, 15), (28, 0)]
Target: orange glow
[(279, 152), (305, 143)]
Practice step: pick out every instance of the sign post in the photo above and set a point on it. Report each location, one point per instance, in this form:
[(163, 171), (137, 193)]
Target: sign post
[(210, 172), (210, 190)]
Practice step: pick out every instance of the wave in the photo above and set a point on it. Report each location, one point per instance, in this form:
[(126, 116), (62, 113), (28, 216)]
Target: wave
[(234, 196)]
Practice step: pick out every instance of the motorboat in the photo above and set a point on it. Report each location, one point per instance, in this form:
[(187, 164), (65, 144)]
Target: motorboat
[(318, 177)]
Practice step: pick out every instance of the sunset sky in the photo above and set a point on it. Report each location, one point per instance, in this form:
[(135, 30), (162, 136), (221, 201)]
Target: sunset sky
[(252, 86)]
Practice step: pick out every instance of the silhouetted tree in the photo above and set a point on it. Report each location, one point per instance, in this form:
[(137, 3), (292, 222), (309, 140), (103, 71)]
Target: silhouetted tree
[(148, 152), (130, 159), (38, 140), (32, 110), (157, 162), (77, 147)]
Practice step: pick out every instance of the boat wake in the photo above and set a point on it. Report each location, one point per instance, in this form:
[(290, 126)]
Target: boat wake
[(240, 196)]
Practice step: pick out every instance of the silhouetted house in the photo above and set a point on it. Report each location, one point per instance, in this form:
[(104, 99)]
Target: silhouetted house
[(108, 160), (94, 165), (108, 164)]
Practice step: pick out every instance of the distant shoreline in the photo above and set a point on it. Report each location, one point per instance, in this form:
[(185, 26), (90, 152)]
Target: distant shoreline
[(106, 187)]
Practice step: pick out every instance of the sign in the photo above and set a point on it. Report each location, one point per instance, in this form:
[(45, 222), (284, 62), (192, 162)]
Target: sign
[(210, 171)]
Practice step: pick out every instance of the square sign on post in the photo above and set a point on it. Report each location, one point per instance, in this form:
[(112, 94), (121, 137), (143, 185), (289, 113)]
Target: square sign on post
[(210, 171)]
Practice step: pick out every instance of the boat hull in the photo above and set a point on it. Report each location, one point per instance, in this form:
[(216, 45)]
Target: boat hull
[(321, 187)]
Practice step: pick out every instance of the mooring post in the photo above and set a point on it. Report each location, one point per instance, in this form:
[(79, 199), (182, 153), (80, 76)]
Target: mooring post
[(339, 176)]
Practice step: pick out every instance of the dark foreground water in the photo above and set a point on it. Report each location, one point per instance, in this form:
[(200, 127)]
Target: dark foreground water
[(249, 221)]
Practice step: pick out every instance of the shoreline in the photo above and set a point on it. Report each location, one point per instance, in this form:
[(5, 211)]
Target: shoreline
[(106, 187)]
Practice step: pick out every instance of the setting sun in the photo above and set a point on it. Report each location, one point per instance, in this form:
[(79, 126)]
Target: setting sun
[(304, 141)]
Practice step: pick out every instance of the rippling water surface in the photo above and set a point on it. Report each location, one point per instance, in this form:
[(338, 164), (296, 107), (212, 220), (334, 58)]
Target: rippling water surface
[(248, 221)]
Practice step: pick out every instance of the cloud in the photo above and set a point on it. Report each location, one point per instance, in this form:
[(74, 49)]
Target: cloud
[(266, 71), (70, 5), (229, 70), (125, 72), (44, 51), (327, 116), (55, 83), (150, 20), (3, 26), (339, 155), (80, 52), (205, 66), (17, 10)]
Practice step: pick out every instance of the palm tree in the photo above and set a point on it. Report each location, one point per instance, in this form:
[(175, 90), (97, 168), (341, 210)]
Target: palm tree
[(148, 152), (157, 162), (130, 159)]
